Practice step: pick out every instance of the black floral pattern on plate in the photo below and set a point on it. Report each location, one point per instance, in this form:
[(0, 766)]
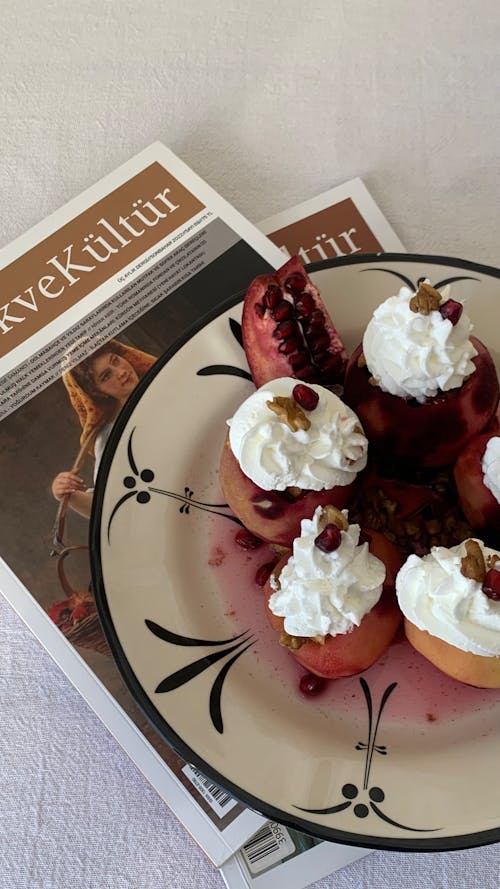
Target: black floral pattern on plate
[(367, 798), (237, 646), (138, 485)]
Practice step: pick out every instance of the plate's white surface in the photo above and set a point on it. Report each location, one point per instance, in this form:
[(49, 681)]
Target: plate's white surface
[(401, 782)]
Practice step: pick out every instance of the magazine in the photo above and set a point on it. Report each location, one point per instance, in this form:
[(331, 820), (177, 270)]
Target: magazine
[(340, 222), (125, 263), (100, 289), (278, 856)]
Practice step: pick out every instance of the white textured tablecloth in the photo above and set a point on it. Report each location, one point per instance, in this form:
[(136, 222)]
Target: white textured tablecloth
[(272, 104)]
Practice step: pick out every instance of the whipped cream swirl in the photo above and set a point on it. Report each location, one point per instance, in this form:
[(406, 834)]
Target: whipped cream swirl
[(490, 465), (331, 452), (435, 596), (413, 355), (322, 594)]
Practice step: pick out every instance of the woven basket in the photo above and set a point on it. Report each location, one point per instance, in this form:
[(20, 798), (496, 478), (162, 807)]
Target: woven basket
[(85, 632), (88, 633)]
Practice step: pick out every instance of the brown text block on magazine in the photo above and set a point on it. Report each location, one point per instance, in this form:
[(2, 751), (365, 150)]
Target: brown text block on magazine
[(339, 230), (69, 264)]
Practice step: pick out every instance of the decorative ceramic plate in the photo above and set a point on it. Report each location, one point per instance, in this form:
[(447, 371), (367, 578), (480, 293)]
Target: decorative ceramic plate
[(400, 757)]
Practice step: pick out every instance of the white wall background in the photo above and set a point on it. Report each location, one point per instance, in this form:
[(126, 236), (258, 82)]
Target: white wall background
[(271, 102)]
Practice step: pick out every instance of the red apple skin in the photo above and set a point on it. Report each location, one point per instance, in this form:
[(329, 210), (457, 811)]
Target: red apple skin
[(478, 504), (351, 653), (431, 434), (282, 524)]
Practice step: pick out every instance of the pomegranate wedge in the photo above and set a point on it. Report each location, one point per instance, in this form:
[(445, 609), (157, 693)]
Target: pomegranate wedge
[(287, 331)]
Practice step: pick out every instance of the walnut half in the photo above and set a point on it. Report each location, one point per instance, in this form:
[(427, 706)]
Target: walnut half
[(472, 565), (289, 412), (330, 515), (426, 299)]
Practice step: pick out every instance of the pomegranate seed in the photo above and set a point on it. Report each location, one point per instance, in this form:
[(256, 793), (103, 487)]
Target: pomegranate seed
[(259, 310), (316, 320), (329, 540), (285, 329), (310, 684), (282, 310), (332, 364), (299, 360), (289, 345), (491, 584), (305, 397), (295, 282), (247, 540), (451, 310), (319, 343), (272, 296), (307, 373), (304, 304), (263, 573)]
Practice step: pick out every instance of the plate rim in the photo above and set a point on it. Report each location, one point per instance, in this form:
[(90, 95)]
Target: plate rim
[(166, 732)]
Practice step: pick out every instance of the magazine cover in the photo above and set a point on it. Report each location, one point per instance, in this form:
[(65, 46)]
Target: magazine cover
[(95, 294), (91, 298), (342, 221)]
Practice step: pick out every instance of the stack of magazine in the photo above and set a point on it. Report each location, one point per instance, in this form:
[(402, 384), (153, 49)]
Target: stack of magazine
[(136, 260)]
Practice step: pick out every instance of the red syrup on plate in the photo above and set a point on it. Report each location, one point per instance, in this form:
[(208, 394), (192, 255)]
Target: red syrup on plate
[(424, 695)]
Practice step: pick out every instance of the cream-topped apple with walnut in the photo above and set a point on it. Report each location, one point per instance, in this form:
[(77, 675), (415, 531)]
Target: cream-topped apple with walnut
[(420, 383), (450, 599), (332, 600), (290, 448)]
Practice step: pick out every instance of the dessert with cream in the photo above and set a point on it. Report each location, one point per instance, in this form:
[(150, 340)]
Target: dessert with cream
[(420, 383), (477, 477), (450, 599), (290, 448), (332, 600)]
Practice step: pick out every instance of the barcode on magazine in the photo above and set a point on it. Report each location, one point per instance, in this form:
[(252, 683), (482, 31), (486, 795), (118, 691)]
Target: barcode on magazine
[(220, 800), (268, 846)]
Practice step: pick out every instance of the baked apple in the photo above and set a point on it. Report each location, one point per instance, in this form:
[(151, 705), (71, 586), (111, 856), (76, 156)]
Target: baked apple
[(421, 385), (450, 599), (333, 600), (477, 477), (290, 448), (287, 331)]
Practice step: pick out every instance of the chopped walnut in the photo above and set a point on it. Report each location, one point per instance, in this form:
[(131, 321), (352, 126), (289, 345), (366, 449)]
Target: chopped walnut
[(289, 412), (279, 550), (361, 360), (294, 491), (330, 515), (372, 381), (426, 299), (275, 576), (473, 565), (493, 561), (291, 642)]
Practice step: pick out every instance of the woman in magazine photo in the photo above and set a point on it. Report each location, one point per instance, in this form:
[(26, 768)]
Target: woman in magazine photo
[(98, 387)]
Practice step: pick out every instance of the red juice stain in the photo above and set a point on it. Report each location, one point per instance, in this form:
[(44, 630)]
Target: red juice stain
[(217, 557), (424, 695)]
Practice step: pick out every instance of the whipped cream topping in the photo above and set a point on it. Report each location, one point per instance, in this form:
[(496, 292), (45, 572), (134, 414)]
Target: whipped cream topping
[(413, 355), (435, 596), (322, 594), (331, 452), (490, 465)]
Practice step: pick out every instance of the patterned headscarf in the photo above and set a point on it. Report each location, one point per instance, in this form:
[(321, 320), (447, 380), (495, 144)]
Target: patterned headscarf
[(93, 412)]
